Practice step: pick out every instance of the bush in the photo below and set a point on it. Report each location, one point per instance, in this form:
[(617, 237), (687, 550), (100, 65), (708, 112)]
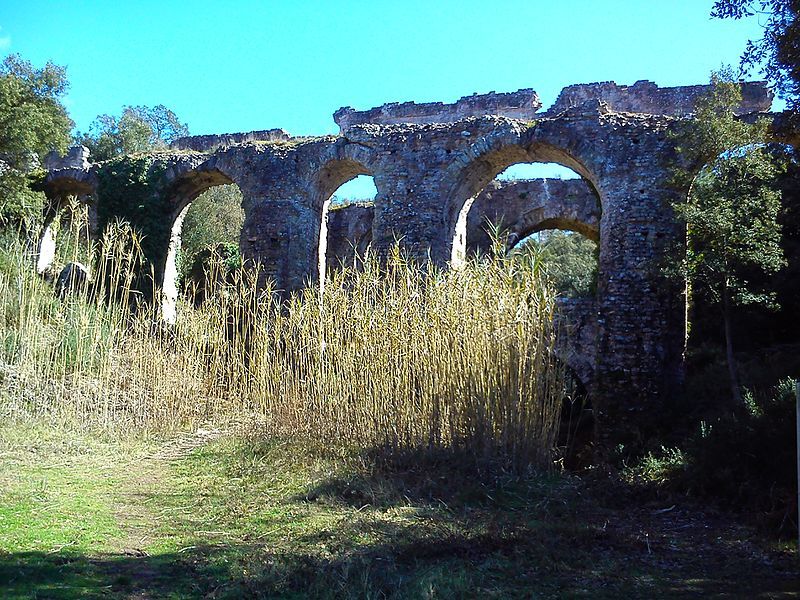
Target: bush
[(570, 261), (210, 267), (743, 460), (747, 458), (213, 221)]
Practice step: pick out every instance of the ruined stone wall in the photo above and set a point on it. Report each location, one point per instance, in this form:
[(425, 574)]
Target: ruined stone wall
[(647, 98), (520, 208), (517, 208), (77, 157), (619, 139), (349, 234), (521, 104), (578, 329), (206, 143)]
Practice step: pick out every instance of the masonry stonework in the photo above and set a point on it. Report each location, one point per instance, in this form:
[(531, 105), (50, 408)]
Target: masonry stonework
[(431, 163)]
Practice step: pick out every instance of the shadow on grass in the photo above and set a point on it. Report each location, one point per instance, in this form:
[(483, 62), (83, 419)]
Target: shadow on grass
[(456, 567), (408, 526), (388, 478)]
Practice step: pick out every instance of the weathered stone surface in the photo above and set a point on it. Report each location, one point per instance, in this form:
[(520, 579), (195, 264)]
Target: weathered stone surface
[(620, 140), (521, 208), (349, 234), (647, 98), (207, 143), (521, 104), (516, 208), (77, 158), (577, 337)]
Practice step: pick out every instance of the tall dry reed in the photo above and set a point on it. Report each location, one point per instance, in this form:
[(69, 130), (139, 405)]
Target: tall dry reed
[(390, 356)]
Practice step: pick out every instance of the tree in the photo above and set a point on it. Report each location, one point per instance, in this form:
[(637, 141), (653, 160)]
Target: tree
[(33, 121), (569, 259), (214, 218), (732, 209), (138, 129), (777, 54)]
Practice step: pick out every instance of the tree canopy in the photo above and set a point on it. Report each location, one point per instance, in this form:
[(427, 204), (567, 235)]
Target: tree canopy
[(777, 54), (33, 121), (732, 209), (137, 129)]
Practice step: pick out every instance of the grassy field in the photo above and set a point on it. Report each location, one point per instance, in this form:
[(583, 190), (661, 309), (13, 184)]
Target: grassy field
[(217, 514)]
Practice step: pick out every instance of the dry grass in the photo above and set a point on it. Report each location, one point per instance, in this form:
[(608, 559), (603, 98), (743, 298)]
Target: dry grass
[(392, 356)]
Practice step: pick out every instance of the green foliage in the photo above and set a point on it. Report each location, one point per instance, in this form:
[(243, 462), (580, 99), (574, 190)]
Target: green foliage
[(743, 459), (94, 515), (569, 261), (131, 189), (732, 207), (777, 54), (20, 205), (214, 220), (138, 129), (33, 121), (716, 130), (214, 265), (659, 468), (732, 217)]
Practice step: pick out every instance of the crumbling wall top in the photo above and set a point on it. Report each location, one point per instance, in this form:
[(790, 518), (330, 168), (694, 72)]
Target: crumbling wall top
[(206, 143), (77, 157), (648, 98), (521, 104)]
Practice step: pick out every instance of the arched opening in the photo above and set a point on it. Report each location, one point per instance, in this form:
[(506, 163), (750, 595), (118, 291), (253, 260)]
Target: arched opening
[(346, 195), (542, 207), (539, 200), (743, 266), (349, 223), (207, 221), (511, 190)]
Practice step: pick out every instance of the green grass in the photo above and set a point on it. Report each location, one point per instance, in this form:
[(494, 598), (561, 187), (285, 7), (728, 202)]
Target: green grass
[(241, 517)]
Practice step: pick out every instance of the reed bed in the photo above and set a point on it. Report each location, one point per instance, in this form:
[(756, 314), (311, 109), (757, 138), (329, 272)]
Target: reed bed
[(389, 356)]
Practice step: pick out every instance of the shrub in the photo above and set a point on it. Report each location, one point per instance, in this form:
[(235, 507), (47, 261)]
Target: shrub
[(747, 458), (743, 460)]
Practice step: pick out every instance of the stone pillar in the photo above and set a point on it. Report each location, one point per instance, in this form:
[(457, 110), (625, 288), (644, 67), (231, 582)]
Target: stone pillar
[(281, 235), (46, 245), (169, 284), (642, 319), (409, 211)]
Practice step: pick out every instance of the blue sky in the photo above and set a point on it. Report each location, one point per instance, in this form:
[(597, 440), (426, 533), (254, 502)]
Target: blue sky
[(246, 65)]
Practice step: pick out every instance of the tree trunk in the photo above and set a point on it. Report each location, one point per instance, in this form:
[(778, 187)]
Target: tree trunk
[(733, 372)]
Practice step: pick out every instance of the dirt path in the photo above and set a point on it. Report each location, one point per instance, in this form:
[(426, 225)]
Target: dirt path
[(129, 564)]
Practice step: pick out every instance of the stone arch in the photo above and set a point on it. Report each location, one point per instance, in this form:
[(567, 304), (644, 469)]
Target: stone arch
[(487, 158), (185, 184), (555, 223), (58, 185), (333, 174), (344, 164), (519, 208)]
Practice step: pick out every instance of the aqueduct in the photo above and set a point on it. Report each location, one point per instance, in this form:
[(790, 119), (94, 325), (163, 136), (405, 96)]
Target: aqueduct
[(432, 164)]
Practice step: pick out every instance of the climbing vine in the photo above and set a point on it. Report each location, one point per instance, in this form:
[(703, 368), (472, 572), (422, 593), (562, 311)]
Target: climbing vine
[(131, 188)]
